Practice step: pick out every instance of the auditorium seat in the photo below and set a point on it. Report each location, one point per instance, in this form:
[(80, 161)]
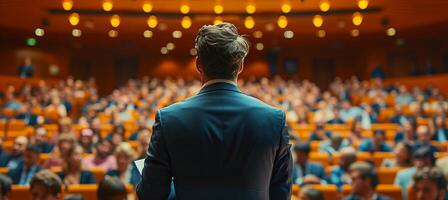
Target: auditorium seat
[(88, 191), (77, 128), (392, 191), (43, 157), (4, 170), (441, 154), (16, 125), (134, 144), (51, 129), (11, 135), (378, 157), (7, 145), (20, 192), (320, 157), (105, 129), (387, 175), (386, 126), (98, 172), (336, 127), (9, 112), (314, 145)]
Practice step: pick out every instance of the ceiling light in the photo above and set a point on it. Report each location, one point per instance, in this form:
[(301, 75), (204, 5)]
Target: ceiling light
[(286, 8), (76, 32), (282, 21), (74, 19), (115, 21), (249, 22), (391, 32), (184, 9), (170, 46), (321, 33), (147, 7), (67, 5), (108, 5), (217, 21), (152, 21), (186, 22), (113, 33), (177, 34), (250, 8), (258, 34), (164, 50), (324, 5), (363, 4), (259, 46), (357, 18), (288, 34), (193, 52), (39, 32), (318, 21), (354, 33), (218, 8), (147, 34)]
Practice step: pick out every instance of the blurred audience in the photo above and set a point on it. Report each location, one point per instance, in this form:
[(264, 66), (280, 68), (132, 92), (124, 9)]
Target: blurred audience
[(28, 166), (72, 169), (303, 166)]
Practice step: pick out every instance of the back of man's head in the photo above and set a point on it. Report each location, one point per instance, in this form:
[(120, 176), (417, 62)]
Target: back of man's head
[(221, 51), (46, 184)]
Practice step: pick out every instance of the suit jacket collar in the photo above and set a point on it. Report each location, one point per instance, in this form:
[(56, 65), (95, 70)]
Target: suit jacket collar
[(219, 86)]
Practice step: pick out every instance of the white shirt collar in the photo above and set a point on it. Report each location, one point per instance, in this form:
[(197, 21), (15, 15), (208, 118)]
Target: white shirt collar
[(218, 81)]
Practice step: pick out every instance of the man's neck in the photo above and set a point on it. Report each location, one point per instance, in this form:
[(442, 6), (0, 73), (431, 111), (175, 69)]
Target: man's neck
[(207, 82)]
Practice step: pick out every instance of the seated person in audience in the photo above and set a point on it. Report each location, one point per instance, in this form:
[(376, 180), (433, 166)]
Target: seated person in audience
[(356, 135), (72, 171), (134, 136), (440, 132), (339, 174), (27, 167), (57, 106), (115, 139), (403, 96), (334, 144), (371, 114), (11, 102), (5, 187), (26, 115), (66, 141), (126, 169), (86, 140), (349, 112), (407, 133), (111, 188), (429, 183), (13, 159), (403, 157), (40, 140), (303, 167), (364, 181), (309, 193), (102, 157), (46, 185), (376, 144), (336, 117), (143, 143), (399, 117), (311, 179), (319, 134), (423, 157), (424, 138)]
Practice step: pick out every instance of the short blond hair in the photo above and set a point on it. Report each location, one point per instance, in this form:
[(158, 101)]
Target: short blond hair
[(125, 148)]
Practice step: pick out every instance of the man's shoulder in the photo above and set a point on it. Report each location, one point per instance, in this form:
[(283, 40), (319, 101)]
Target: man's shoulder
[(406, 172)]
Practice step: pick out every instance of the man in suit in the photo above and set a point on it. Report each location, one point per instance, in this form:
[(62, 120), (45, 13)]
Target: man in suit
[(303, 167), (364, 181), (221, 143), (27, 167)]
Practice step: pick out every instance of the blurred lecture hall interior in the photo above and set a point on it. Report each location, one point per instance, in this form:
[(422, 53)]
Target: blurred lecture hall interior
[(363, 85)]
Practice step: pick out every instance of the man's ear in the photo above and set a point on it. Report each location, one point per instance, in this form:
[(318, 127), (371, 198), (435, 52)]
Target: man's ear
[(199, 65), (241, 67)]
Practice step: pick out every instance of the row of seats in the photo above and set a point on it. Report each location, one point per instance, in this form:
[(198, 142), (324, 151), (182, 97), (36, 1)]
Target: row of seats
[(87, 191), (331, 191)]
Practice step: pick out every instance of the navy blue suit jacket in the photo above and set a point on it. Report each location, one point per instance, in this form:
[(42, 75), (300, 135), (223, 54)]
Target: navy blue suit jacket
[(219, 144), (16, 173)]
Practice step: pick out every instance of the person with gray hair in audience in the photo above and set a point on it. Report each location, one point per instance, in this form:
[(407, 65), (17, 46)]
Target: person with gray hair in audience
[(339, 174), (309, 193)]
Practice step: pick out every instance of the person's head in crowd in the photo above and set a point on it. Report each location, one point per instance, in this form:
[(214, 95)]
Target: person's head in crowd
[(336, 140), (439, 122), (346, 105), (19, 146), (124, 154), (103, 149), (429, 184), (364, 179), (408, 129), (143, 139), (347, 157), (5, 187), (221, 52), (73, 160), (403, 154), (398, 109), (310, 179), (336, 112), (31, 155), (423, 134), (111, 188), (379, 136), (65, 125), (310, 193), (302, 151), (40, 136), (116, 138), (86, 140), (424, 157), (66, 141), (46, 185)]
